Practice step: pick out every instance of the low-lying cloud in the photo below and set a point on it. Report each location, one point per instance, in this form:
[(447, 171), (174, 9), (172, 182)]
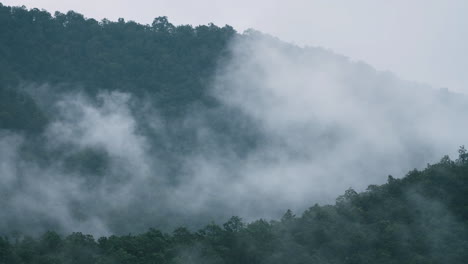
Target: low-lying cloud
[(299, 126)]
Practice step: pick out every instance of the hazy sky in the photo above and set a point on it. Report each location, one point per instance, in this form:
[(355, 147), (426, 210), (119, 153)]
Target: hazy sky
[(421, 40)]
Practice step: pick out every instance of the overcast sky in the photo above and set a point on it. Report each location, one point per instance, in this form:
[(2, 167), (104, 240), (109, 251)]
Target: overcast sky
[(420, 40)]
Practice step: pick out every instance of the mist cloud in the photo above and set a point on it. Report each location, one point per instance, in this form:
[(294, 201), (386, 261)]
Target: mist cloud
[(302, 126), (332, 123)]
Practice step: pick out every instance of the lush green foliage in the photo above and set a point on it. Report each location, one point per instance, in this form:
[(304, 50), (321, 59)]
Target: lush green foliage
[(421, 218), (172, 64)]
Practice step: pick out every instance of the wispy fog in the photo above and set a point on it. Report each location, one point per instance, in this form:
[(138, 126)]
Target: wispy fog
[(300, 126)]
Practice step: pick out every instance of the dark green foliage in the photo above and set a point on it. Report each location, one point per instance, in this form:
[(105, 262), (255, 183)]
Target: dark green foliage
[(19, 112), (7, 252), (421, 218), (88, 161), (170, 64)]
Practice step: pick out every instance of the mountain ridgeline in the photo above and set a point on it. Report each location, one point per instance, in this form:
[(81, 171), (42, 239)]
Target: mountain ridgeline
[(114, 128)]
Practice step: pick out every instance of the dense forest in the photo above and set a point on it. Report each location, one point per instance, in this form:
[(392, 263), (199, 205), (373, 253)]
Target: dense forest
[(421, 218), (171, 64), (129, 143)]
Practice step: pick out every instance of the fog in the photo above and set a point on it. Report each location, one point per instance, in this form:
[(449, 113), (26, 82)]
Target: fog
[(304, 125)]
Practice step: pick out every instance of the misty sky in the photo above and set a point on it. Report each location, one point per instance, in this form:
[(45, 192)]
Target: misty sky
[(420, 40)]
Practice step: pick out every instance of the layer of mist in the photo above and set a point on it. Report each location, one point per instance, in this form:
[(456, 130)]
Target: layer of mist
[(294, 126)]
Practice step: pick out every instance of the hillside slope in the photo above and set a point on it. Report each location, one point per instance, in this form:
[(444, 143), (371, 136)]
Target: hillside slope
[(421, 218)]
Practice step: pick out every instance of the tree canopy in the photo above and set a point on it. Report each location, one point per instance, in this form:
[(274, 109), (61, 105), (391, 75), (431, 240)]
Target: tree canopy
[(172, 64)]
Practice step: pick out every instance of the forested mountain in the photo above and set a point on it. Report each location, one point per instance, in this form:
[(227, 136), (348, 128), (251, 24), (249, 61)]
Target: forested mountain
[(171, 64), (421, 218), (149, 82), (110, 128)]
